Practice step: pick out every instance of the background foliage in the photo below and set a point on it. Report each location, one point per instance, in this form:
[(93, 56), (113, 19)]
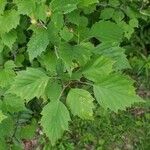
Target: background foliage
[(66, 74)]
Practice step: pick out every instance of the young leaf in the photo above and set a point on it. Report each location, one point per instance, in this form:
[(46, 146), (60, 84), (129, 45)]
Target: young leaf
[(66, 34), (107, 13), (29, 83), (81, 103), (55, 117), (38, 43), (115, 92)]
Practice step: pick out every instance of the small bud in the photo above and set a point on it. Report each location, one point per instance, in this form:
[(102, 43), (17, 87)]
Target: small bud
[(71, 30), (33, 21), (48, 13)]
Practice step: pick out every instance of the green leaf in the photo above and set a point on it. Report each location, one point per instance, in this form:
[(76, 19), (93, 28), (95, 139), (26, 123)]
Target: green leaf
[(12, 103), (1, 46), (58, 20), (115, 92), (9, 20), (107, 13), (53, 90), (2, 6), (115, 53), (9, 38), (87, 2), (118, 16), (114, 3), (3, 145), (7, 127), (80, 53), (81, 103), (66, 34), (28, 131), (40, 12), (128, 28), (107, 31), (2, 116), (38, 43), (6, 75), (65, 6), (26, 7), (49, 62), (97, 67), (9, 64), (53, 34), (134, 23), (29, 83), (55, 117)]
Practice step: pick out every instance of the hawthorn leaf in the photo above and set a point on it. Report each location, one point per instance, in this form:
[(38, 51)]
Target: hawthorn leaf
[(26, 7), (9, 64), (7, 75), (114, 3), (80, 53), (75, 18), (40, 12), (7, 127), (115, 92), (29, 131), (80, 102), (58, 20), (114, 52), (55, 118), (86, 3), (66, 54), (3, 144), (107, 13), (65, 6), (9, 38), (49, 61), (97, 67), (12, 103), (29, 83), (9, 20), (53, 90), (133, 22), (2, 6), (107, 31), (66, 34), (38, 43), (118, 16), (53, 34)]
